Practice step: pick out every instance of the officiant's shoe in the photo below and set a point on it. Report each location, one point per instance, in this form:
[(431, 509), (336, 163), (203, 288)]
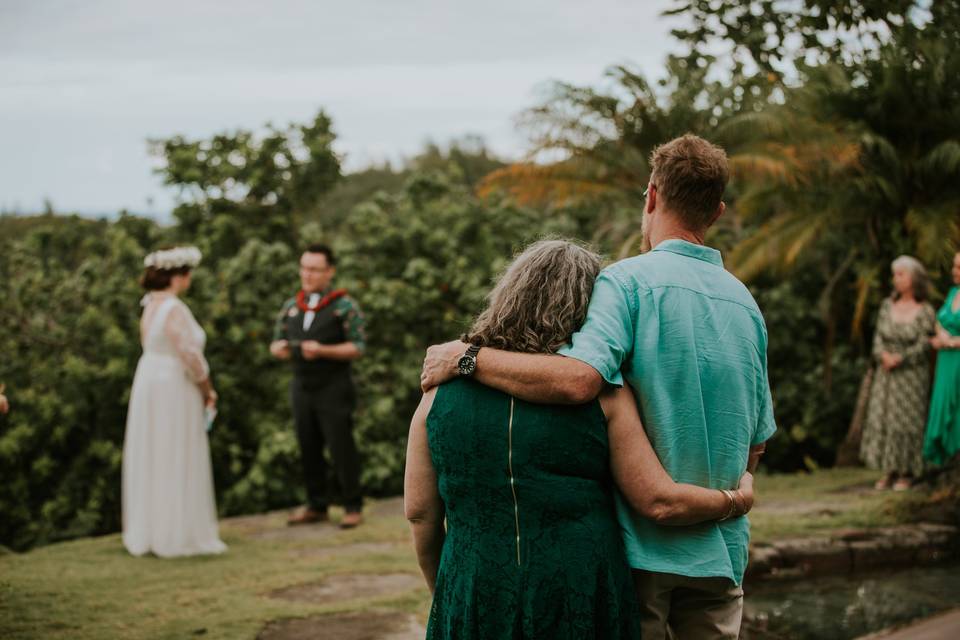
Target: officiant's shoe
[(306, 515), (351, 519)]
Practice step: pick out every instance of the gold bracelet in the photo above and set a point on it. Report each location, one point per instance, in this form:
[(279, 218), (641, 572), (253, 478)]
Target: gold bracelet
[(741, 510), (733, 504)]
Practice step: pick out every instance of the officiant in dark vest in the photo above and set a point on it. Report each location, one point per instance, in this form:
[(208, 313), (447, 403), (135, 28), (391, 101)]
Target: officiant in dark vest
[(320, 331)]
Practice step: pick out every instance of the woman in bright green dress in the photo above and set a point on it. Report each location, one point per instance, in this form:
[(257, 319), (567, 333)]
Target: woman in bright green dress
[(531, 546), (942, 440)]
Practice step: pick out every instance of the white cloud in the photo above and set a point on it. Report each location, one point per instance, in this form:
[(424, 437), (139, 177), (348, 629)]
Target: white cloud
[(84, 84)]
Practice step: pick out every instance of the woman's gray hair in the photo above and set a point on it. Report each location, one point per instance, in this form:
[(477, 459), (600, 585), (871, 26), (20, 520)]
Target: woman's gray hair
[(540, 300), (918, 276)]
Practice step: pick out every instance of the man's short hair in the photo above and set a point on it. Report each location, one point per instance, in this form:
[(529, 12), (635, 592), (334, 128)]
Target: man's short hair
[(324, 249), (690, 174)]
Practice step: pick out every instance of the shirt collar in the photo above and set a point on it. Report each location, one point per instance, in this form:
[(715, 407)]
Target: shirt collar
[(691, 250)]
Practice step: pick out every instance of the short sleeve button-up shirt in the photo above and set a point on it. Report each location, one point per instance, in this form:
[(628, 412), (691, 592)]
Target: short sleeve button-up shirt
[(690, 340)]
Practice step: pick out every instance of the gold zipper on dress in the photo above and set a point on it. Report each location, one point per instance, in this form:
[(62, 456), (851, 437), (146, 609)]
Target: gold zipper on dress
[(513, 489)]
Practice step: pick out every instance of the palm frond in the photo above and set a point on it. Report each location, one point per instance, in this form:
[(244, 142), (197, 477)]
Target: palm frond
[(936, 232), (763, 125), (866, 282), (940, 168), (803, 239), (880, 154), (544, 185), (750, 167), (776, 244)]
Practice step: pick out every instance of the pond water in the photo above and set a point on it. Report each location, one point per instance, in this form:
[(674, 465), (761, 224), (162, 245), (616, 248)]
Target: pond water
[(840, 608)]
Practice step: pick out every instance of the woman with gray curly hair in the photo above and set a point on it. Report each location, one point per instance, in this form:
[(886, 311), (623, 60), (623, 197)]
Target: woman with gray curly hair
[(531, 546), (896, 414)]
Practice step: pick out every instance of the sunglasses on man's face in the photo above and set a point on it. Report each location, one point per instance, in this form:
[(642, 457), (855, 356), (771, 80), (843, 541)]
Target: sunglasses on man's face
[(650, 185)]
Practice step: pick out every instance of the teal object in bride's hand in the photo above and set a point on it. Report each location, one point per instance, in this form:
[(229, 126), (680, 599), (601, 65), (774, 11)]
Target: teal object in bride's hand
[(209, 414)]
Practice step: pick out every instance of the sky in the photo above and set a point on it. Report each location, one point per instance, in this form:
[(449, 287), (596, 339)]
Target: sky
[(85, 83)]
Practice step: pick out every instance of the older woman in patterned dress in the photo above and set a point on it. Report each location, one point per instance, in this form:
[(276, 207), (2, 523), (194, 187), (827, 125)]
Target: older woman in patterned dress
[(897, 407)]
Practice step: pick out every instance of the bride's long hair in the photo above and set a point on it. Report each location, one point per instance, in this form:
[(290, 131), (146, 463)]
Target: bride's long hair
[(540, 300), (154, 279)]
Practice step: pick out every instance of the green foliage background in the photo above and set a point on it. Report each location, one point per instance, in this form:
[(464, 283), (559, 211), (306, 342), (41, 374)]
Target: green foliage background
[(419, 258), (843, 156)]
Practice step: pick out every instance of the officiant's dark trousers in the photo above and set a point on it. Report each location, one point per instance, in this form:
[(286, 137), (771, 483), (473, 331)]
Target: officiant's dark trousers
[(323, 415)]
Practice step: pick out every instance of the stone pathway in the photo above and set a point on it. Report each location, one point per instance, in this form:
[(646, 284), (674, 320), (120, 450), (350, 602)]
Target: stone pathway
[(855, 550), (369, 625), (845, 551), (943, 626), (838, 553)]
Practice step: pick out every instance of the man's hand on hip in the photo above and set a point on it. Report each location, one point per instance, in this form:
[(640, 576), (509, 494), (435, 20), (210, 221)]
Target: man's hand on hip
[(746, 491), (440, 363), (753, 459)]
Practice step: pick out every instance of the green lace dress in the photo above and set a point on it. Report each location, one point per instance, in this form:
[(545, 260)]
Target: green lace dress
[(942, 441), (533, 547)]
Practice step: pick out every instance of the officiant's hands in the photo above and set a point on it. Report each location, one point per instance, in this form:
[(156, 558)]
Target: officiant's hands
[(280, 349), (311, 349)]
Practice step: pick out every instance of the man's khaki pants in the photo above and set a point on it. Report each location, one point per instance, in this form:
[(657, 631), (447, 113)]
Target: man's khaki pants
[(676, 607)]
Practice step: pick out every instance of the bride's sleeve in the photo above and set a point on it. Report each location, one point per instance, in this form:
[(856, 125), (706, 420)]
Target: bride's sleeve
[(179, 330)]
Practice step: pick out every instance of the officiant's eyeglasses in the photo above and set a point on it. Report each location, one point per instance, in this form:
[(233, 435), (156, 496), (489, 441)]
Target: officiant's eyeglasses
[(315, 270), (649, 186)]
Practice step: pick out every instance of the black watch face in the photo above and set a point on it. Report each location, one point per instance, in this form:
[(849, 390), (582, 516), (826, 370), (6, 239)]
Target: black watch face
[(466, 365)]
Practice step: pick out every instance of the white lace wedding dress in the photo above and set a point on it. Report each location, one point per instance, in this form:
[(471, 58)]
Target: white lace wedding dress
[(168, 503)]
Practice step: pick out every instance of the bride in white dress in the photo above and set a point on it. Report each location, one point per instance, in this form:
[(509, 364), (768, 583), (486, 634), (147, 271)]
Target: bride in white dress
[(168, 502)]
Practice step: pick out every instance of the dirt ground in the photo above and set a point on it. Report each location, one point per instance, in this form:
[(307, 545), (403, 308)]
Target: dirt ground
[(368, 625)]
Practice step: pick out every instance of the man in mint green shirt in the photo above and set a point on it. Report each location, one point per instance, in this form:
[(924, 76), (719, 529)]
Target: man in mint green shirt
[(688, 338), (690, 341)]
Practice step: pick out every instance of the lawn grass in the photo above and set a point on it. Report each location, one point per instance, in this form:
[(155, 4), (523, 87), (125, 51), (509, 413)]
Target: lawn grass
[(818, 503), (92, 589)]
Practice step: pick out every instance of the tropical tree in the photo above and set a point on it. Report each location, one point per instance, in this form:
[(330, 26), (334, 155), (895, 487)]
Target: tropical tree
[(67, 335), (768, 39), (421, 263), (840, 123), (865, 166), (238, 186), (419, 257), (591, 147)]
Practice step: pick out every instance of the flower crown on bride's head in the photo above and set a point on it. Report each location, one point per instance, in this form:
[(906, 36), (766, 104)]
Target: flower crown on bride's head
[(173, 258)]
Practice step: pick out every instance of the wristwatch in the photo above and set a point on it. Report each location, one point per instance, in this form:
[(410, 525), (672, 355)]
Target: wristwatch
[(467, 363)]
